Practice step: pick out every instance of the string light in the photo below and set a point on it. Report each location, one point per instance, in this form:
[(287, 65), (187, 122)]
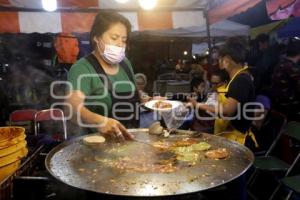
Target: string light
[(122, 1), (147, 4), (49, 5)]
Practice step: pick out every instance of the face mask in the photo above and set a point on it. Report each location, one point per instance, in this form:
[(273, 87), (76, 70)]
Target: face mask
[(112, 54)]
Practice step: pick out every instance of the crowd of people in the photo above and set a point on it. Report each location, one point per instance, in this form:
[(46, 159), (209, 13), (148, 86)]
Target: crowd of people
[(239, 73)]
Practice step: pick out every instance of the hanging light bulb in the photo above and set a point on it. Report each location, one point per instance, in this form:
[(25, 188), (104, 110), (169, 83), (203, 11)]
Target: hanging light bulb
[(147, 4), (49, 5), (122, 1)]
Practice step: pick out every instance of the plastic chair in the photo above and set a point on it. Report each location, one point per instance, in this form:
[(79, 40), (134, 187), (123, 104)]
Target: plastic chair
[(178, 87), (47, 115), (159, 87), (182, 76), (272, 163), (277, 121), (166, 76), (22, 115), (292, 183), (23, 118)]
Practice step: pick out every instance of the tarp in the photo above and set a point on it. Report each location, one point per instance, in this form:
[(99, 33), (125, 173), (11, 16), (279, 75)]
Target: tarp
[(27, 16), (267, 29), (282, 9), (220, 29), (255, 16), (228, 8), (291, 29)]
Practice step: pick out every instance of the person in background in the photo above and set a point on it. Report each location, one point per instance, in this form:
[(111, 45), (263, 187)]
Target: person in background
[(214, 61), (141, 82), (179, 66), (238, 93), (219, 79), (197, 71), (198, 86), (266, 127), (286, 82), (264, 61)]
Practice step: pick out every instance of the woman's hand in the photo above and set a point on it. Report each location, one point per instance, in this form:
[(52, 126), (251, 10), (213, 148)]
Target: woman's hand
[(192, 102), (112, 127), (145, 99)]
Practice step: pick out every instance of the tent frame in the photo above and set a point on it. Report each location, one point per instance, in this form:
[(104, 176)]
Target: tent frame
[(93, 10)]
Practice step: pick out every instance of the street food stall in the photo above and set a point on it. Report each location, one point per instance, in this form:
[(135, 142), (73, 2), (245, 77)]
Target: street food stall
[(159, 161)]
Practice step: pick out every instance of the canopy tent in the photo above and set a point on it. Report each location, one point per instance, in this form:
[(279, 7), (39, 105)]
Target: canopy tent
[(282, 9), (291, 29), (265, 12), (27, 16), (267, 29), (220, 29)]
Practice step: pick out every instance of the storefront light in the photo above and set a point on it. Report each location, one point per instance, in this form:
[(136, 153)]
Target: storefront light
[(147, 4), (122, 1), (49, 5)]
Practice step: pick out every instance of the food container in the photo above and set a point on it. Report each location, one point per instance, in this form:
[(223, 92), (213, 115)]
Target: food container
[(6, 170), (13, 157), (11, 135), (12, 149)]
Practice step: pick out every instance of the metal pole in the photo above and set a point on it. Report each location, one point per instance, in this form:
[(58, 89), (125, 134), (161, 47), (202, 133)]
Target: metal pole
[(208, 37)]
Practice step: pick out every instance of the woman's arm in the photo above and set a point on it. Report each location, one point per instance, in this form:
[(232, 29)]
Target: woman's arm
[(107, 126), (227, 109)]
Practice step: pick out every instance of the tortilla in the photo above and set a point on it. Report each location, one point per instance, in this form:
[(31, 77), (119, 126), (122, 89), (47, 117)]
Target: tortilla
[(93, 140), (201, 146)]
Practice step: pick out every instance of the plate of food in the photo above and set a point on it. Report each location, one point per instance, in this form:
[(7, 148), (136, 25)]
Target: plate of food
[(162, 105)]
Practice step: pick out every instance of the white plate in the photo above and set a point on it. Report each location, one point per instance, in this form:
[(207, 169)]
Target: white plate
[(151, 103)]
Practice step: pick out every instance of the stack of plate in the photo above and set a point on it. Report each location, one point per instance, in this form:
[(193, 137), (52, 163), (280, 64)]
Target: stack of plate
[(12, 149)]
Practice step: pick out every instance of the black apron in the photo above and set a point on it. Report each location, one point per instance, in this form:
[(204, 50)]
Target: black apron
[(129, 107)]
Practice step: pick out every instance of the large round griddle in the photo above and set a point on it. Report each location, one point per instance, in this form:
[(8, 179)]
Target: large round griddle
[(74, 163)]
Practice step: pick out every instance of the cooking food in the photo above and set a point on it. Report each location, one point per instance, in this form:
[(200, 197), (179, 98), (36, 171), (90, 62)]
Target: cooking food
[(190, 157), (144, 166), (156, 129), (143, 163), (190, 153), (93, 140), (162, 105), (185, 142), (161, 145), (140, 171), (164, 160), (201, 146), (220, 153)]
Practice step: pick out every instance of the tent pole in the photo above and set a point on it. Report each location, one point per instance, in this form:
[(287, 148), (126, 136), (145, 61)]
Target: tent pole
[(208, 36)]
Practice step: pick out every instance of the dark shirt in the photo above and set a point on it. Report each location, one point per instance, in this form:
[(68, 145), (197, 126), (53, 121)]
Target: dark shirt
[(266, 134), (286, 82), (264, 63), (242, 90)]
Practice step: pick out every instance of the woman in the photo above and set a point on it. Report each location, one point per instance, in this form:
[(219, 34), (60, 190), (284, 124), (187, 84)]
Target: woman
[(104, 95), (198, 89), (233, 118)]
